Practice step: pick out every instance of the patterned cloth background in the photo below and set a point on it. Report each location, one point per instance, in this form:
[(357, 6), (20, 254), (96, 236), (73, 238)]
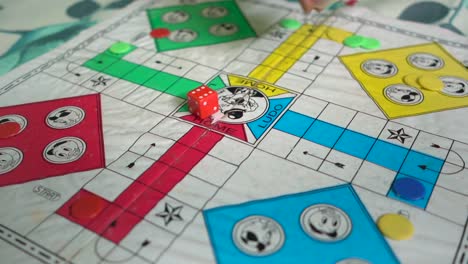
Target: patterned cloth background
[(26, 33)]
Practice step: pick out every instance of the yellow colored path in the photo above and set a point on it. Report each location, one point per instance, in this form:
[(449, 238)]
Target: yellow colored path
[(290, 51)]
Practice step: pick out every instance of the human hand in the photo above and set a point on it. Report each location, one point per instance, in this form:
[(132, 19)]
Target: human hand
[(319, 5)]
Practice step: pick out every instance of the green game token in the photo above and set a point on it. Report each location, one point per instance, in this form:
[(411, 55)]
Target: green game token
[(290, 23), (120, 48), (354, 41), (370, 44)]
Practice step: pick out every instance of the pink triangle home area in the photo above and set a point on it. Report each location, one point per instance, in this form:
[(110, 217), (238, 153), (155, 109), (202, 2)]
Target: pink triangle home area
[(235, 130)]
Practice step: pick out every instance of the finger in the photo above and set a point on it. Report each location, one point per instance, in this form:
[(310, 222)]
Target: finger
[(307, 5)]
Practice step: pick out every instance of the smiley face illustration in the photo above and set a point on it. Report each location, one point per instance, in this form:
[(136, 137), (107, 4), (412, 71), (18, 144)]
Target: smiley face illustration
[(379, 68), (183, 35), (258, 235), (403, 94), (10, 158), (214, 12), (425, 61), (224, 29), (175, 17), (65, 117), (326, 223), (64, 150), (454, 86)]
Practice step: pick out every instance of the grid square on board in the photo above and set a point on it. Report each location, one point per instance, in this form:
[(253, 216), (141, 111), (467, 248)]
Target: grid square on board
[(367, 124), (337, 115), (143, 146), (171, 215), (108, 184), (78, 74), (120, 89), (213, 170), (318, 58), (240, 68), (99, 82), (305, 70), (180, 67), (142, 97), (278, 143), (454, 174), (82, 242), (327, 46), (159, 62), (301, 123), (201, 73), (165, 104), (399, 134), (139, 56), (345, 173), (53, 231), (424, 141), (122, 255), (309, 154), (121, 165), (439, 200), (293, 82), (171, 128), (308, 106), (253, 56), (264, 44), (193, 191), (231, 150), (374, 177)]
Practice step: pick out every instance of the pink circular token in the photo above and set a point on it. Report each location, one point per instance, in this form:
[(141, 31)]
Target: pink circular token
[(160, 33)]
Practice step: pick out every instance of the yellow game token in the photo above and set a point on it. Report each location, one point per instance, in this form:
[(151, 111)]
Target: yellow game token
[(412, 80), (395, 226), (430, 82)]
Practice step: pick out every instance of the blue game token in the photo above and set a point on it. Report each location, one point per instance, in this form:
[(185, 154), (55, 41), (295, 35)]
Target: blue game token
[(409, 189)]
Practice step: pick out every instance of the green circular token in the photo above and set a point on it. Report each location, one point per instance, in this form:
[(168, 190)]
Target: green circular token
[(370, 44), (120, 48), (290, 23), (354, 41)]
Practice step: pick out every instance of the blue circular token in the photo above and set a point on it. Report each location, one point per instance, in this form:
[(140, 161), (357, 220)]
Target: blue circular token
[(409, 189)]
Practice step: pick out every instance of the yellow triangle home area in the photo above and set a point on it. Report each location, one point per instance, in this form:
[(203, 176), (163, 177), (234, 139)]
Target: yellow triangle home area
[(412, 80), (289, 52)]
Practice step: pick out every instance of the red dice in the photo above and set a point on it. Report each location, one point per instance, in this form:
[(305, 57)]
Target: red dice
[(203, 101)]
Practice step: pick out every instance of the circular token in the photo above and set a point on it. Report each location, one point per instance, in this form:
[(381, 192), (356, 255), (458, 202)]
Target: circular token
[(160, 33), (9, 129), (290, 23), (395, 226), (120, 48), (409, 189), (411, 80), (370, 43), (354, 41), (86, 207), (431, 82)]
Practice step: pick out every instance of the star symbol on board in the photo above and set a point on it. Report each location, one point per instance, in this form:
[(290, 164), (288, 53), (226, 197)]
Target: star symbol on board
[(100, 81), (399, 135), (170, 214)]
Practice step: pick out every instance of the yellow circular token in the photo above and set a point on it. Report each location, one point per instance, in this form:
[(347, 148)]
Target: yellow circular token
[(430, 82), (412, 80), (395, 226)]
